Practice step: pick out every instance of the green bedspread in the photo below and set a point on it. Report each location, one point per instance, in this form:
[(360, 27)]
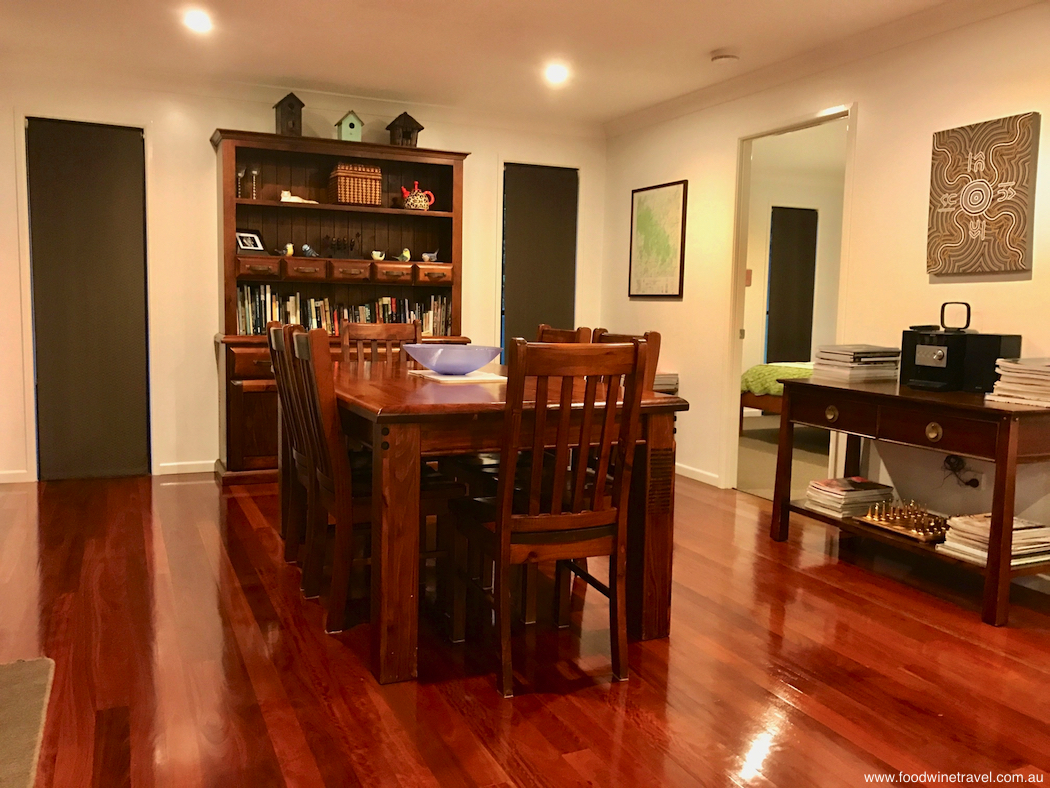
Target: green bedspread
[(762, 378)]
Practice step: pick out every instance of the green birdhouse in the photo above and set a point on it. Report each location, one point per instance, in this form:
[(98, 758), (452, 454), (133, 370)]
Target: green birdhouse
[(350, 127)]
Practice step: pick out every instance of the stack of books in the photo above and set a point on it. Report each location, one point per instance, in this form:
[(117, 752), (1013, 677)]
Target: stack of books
[(848, 497), (857, 362), (1022, 381), (666, 382), (967, 539)]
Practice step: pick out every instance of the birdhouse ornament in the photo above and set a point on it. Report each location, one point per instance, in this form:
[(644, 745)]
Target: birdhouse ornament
[(289, 116), (349, 127), (404, 130)]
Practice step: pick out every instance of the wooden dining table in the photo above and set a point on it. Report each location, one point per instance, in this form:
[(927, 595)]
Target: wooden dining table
[(406, 418)]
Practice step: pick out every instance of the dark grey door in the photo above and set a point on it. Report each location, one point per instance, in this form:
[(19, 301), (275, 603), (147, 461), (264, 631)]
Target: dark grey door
[(792, 266), (88, 244), (539, 248)]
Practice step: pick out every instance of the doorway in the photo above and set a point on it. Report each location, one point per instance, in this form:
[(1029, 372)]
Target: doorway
[(87, 226), (539, 249), (796, 189)]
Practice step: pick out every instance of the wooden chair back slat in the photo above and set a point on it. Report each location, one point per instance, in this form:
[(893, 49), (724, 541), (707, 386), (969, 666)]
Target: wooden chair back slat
[(562, 335), (604, 373), (562, 454), (652, 340), (538, 458), (388, 337), (579, 483)]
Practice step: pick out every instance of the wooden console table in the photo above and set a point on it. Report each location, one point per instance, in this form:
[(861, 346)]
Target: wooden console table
[(952, 423)]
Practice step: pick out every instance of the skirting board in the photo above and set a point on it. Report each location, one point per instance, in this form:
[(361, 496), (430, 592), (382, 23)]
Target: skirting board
[(13, 477), (698, 475), (169, 468)]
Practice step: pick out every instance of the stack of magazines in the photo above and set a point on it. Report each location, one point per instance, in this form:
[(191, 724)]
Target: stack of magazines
[(848, 497), (857, 362), (1022, 381), (666, 382), (967, 539)]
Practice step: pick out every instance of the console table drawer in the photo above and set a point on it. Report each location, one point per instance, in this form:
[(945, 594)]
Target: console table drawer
[(937, 431), (827, 409)]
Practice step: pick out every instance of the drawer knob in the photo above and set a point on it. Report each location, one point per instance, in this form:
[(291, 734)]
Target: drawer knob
[(831, 413), (934, 432)]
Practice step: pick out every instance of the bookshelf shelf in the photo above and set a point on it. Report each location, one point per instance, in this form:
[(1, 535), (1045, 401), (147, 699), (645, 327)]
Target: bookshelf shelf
[(375, 209), (266, 286)]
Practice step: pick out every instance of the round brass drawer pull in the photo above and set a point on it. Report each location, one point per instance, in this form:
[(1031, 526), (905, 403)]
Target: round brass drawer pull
[(934, 432), (831, 413)]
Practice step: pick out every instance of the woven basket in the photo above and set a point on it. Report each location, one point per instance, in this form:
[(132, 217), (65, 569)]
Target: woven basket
[(355, 184)]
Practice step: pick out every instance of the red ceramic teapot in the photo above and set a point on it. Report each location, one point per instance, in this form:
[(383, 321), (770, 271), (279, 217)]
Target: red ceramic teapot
[(417, 200)]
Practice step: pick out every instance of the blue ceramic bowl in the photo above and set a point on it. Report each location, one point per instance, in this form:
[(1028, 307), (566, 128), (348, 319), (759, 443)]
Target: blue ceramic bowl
[(452, 359)]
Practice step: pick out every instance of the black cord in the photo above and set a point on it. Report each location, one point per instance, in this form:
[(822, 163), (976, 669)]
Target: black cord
[(955, 465)]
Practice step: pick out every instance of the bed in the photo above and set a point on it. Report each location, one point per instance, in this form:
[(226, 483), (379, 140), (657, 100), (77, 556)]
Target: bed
[(760, 387)]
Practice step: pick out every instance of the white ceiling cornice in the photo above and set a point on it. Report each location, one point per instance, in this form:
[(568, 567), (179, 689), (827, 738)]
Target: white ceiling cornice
[(915, 27)]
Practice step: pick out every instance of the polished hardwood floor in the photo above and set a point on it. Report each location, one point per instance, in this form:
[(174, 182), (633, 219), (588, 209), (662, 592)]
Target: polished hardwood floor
[(186, 657)]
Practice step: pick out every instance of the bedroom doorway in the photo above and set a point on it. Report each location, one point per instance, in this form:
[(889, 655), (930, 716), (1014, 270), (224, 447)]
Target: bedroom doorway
[(796, 187)]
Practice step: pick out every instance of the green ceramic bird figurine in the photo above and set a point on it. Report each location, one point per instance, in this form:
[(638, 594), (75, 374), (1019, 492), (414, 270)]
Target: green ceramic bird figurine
[(405, 255)]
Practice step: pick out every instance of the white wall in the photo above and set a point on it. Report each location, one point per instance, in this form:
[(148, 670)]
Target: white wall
[(182, 220), (991, 69), (779, 178)]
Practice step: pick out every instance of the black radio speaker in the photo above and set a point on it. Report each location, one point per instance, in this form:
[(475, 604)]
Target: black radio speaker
[(953, 358)]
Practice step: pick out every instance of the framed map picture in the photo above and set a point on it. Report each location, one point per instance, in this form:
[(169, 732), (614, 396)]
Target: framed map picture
[(658, 240), (982, 189)]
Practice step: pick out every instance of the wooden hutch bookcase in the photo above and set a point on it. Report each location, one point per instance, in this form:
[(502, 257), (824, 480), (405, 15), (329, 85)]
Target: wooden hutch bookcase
[(347, 278)]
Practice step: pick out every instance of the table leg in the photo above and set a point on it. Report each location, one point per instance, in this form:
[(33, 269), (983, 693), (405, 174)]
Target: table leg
[(650, 531), (778, 527), (395, 551), (998, 573), (852, 459)]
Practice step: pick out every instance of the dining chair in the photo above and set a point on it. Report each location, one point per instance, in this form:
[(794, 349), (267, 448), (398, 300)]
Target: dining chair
[(547, 334), (562, 512), (296, 475), (345, 491), (652, 341), (376, 337)]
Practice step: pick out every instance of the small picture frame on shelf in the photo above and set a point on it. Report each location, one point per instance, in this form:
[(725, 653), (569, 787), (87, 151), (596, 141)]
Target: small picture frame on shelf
[(250, 241)]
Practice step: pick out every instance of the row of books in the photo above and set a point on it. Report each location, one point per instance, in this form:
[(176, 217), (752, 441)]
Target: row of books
[(857, 362), (968, 536), (1022, 381), (848, 497), (260, 304)]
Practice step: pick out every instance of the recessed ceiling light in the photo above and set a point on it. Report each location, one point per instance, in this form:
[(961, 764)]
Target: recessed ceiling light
[(724, 56), (556, 73), (198, 21)]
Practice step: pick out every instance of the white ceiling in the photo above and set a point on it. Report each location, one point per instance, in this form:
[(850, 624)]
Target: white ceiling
[(485, 55)]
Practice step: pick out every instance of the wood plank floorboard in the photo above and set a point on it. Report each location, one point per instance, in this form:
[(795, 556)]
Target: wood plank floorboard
[(186, 656)]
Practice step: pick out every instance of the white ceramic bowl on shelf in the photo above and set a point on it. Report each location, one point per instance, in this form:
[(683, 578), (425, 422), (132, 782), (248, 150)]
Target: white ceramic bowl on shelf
[(452, 359)]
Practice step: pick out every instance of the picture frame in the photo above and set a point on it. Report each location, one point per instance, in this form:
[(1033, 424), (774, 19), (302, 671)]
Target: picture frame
[(250, 241), (657, 251)]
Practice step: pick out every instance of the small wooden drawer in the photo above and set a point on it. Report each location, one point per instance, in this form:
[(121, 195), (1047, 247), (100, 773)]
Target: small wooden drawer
[(936, 431), (432, 274), (305, 268), (836, 412), (259, 266), (392, 273), (350, 270), (246, 363)]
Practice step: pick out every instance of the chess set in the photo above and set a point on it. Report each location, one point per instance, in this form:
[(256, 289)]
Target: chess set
[(909, 519)]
